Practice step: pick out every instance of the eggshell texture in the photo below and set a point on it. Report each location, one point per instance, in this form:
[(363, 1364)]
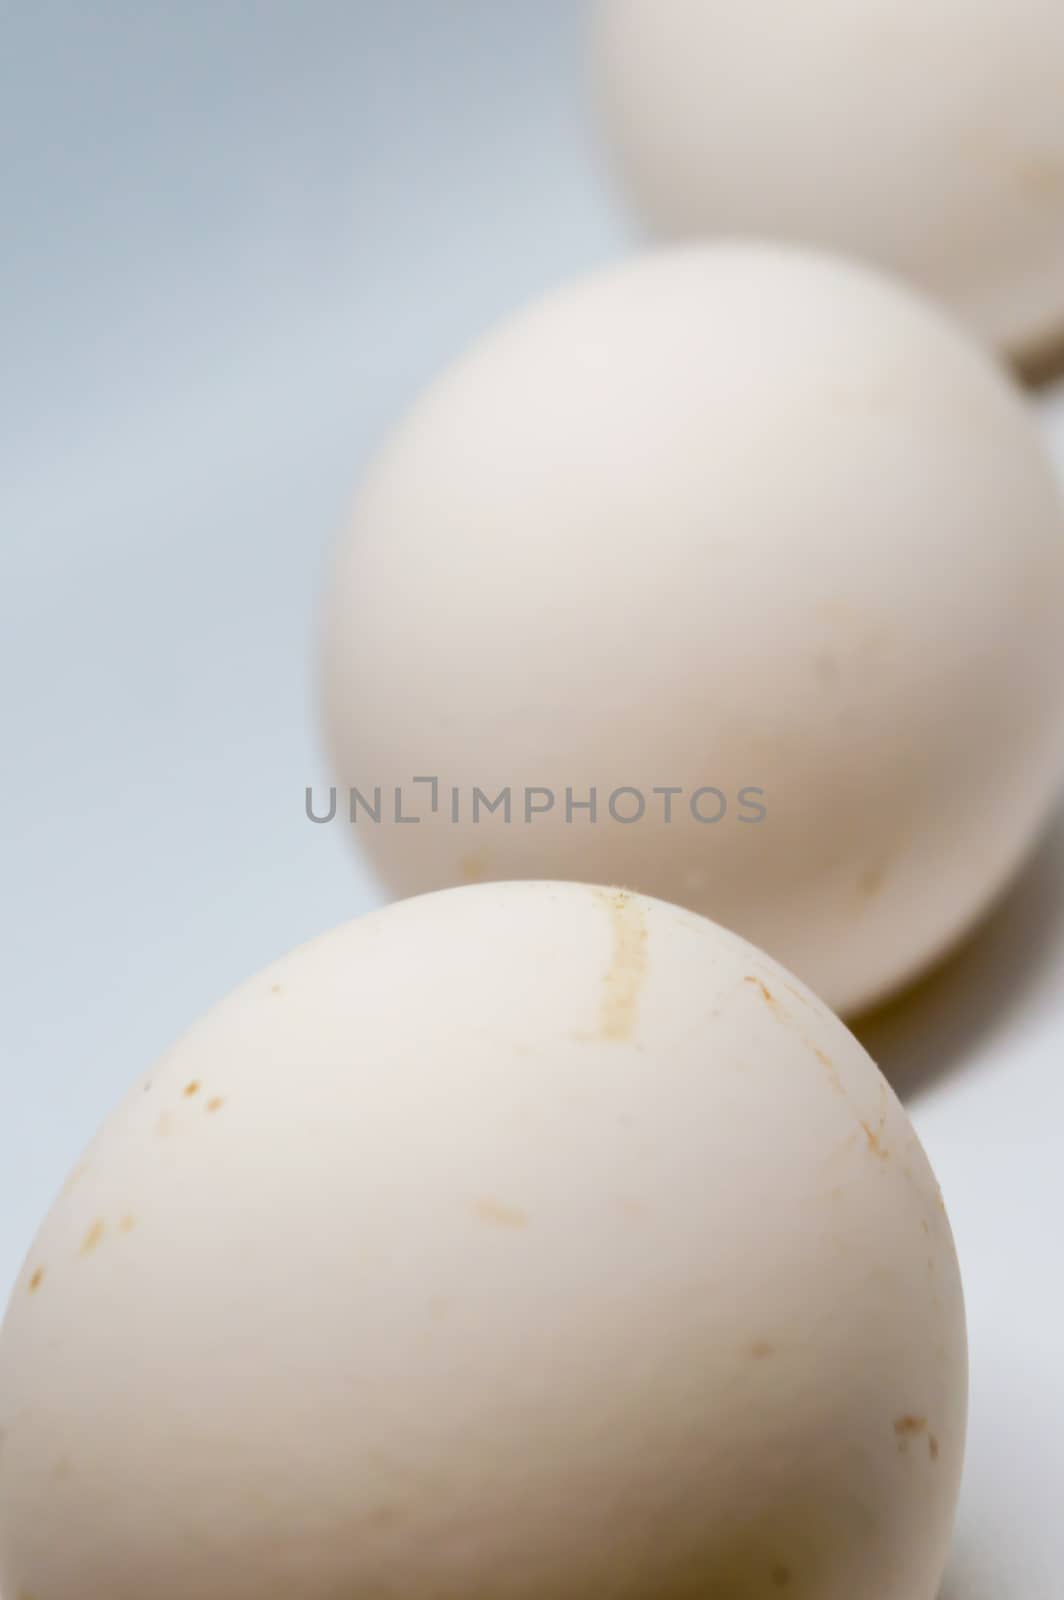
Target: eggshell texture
[(524, 1240), (926, 138), (724, 516)]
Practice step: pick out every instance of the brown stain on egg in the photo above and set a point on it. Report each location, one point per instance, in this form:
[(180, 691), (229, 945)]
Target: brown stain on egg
[(127, 1223), (475, 866), (275, 988), (499, 1215), (781, 1576), (932, 1446), (874, 1136), (771, 999), (761, 1350), (215, 1104), (783, 1015), (94, 1237), (830, 1068), (910, 1427), (192, 1088), (76, 1176), (628, 965), (874, 1141), (36, 1280)]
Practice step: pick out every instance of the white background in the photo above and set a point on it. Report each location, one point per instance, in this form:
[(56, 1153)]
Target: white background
[(234, 241)]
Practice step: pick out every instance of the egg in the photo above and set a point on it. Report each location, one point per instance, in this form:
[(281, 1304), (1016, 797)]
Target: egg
[(734, 574), (519, 1240), (926, 138)]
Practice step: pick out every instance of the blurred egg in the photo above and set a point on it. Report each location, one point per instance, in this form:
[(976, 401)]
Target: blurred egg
[(734, 574), (928, 138), (524, 1240)]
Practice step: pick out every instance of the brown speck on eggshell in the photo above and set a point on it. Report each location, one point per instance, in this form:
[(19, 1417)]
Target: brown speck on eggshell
[(628, 964), (910, 1427), (94, 1237), (874, 1142), (499, 1214), (474, 865)]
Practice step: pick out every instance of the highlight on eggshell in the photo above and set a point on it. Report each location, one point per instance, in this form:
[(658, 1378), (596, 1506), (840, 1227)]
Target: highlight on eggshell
[(734, 573), (927, 139), (530, 1238)]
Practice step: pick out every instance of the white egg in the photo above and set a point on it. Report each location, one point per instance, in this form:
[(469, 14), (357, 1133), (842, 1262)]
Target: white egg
[(747, 524), (524, 1240), (928, 138)]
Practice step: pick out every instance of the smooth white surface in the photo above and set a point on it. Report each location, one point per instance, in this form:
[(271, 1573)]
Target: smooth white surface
[(723, 514), (925, 138), (227, 263)]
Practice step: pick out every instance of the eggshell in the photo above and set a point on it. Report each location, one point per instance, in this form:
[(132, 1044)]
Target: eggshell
[(725, 517), (927, 138), (524, 1240)]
